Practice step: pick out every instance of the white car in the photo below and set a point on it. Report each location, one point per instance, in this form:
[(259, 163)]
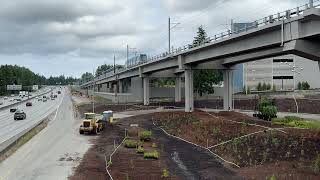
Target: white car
[(5, 98)]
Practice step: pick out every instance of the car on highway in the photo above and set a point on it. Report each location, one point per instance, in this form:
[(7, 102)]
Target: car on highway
[(29, 103), (19, 114), (18, 99), (13, 109)]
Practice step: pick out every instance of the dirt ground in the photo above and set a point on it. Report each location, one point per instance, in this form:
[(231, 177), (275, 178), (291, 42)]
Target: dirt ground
[(182, 160), (287, 155), (293, 152), (283, 105)]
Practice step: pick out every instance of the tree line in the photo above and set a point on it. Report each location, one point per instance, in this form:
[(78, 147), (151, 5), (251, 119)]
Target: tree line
[(14, 74)]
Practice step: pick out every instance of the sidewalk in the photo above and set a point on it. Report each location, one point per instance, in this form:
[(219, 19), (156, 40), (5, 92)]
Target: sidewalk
[(280, 114)]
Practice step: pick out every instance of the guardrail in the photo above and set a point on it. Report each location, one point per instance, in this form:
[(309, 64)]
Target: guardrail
[(281, 16)]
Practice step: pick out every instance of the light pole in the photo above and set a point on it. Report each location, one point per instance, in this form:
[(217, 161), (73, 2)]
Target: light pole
[(169, 32), (248, 70), (128, 48), (295, 70)]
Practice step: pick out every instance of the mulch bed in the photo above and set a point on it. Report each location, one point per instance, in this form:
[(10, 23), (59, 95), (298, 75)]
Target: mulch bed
[(201, 128)]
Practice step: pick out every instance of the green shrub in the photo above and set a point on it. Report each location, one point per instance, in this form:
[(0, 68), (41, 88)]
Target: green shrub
[(268, 87), (216, 131), (299, 85), (273, 177), (259, 87), (316, 165), (305, 85), (154, 145), (267, 108), (151, 155), (140, 150), (274, 89), (145, 135), (165, 173), (264, 86), (131, 143), (109, 163), (269, 111)]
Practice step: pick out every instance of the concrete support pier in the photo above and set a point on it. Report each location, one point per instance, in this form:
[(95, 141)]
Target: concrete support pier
[(189, 99), (228, 90), (120, 86), (146, 91), (177, 95)]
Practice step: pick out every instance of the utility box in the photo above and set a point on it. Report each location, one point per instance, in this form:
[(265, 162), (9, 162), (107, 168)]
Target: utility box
[(108, 116)]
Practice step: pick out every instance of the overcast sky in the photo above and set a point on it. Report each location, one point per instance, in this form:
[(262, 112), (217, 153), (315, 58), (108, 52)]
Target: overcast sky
[(70, 37)]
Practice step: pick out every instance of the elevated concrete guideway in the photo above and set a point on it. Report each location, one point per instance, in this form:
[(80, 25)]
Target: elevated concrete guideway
[(294, 31)]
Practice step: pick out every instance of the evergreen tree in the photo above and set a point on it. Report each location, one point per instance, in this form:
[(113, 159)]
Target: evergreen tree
[(204, 80), (201, 37)]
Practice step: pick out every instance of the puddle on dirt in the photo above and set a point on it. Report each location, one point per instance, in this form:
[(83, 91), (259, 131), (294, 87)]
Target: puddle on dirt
[(177, 160)]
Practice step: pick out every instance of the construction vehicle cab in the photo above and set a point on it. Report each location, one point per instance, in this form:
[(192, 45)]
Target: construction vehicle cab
[(90, 124)]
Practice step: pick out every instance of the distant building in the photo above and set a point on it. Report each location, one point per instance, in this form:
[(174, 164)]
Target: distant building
[(285, 72), (135, 60)]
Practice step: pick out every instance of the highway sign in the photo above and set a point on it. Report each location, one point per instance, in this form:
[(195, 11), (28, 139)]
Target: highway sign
[(14, 87)]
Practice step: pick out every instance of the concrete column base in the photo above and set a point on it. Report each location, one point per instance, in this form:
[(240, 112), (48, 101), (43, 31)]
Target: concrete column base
[(189, 99), (146, 91), (177, 95), (228, 90)]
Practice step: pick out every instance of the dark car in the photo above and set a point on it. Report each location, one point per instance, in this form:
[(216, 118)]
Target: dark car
[(55, 96), (19, 114), (29, 104), (59, 92), (13, 109)]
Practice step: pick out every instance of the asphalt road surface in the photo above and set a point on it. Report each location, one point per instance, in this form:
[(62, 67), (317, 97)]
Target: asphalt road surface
[(53, 152), (35, 113), (10, 100)]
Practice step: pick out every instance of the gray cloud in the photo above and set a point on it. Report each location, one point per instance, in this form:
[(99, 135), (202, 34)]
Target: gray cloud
[(38, 33)]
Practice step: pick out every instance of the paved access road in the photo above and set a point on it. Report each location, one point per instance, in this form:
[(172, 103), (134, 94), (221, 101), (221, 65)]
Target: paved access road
[(53, 152)]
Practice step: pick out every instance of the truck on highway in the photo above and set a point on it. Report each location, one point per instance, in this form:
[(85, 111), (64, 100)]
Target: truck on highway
[(91, 124), (23, 93)]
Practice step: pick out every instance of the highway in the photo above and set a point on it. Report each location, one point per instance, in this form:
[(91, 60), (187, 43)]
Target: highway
[(10, 100), (10, 128), (53, 152)]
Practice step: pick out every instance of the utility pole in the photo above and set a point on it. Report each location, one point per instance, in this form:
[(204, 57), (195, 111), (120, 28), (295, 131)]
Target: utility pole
[(169, 32), (169, 29), (127, 53), (114, 64), (114, 71), (94, 83)]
